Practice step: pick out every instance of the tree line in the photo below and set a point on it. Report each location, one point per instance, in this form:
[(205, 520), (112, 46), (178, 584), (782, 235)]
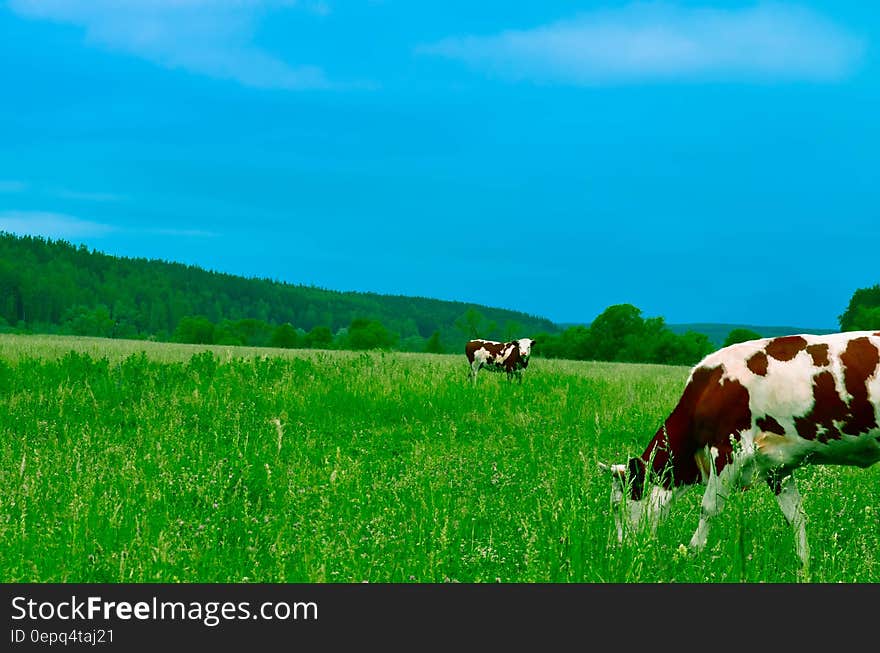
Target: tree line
[(621, 333), (55, 287)]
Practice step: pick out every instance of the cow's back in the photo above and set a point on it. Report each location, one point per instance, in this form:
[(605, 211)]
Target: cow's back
[(809, 384), (794, 397), (473, 346)]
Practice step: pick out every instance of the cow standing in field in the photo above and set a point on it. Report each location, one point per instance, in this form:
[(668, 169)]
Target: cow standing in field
[(756, 411), (510, 357)]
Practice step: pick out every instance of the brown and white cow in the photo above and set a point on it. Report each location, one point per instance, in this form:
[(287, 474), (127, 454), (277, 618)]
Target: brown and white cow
[(511, 357), (757, 411)]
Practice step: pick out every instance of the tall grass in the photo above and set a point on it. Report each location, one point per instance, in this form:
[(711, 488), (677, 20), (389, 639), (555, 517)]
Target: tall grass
[(147, 462)]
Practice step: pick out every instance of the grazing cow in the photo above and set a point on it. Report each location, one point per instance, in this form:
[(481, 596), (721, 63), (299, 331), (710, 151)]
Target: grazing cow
[(757, 411), (511, 357)]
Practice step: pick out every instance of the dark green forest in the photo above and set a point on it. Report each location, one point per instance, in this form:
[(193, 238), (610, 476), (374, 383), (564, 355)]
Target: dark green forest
[(53, 286)]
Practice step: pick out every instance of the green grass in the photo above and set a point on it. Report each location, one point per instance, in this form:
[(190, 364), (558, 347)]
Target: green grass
[(146, 462)]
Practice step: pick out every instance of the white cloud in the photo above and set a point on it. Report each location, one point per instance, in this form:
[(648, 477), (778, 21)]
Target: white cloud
[(16, 186), (209, 37), (50, 225), (644, 42), (54, 225)]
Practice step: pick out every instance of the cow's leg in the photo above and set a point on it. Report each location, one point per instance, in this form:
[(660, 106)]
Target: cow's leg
[(789, 500), (472, 372), (713, 502), (717, 488)]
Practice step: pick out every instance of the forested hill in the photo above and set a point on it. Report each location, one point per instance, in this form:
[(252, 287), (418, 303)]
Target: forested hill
[(54, 286)]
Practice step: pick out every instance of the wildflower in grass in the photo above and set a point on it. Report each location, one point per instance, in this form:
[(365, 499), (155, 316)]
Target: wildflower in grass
[(680, 553)]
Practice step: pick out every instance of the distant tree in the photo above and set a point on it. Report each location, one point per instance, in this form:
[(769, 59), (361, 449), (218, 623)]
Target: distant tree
[(340, 338), (369, 334), (545, 345), (408, 328), (621, 334), (740, 335), (611, 330), (643, 341), (253, 332), (861, 312), (575, 343), (195, 329), (84, 321), (285, 336), (692, 347), (320, 337), (411, 343), (512, 331), (474, 324), (225, 333), (126, 317), (867, 318), (433, 345), (11, 303)]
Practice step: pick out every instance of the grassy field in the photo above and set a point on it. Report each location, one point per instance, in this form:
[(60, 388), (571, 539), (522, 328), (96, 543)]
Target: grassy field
[(130, 461)]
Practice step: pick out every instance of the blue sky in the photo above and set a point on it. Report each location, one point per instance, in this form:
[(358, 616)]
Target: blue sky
[(707, 162)]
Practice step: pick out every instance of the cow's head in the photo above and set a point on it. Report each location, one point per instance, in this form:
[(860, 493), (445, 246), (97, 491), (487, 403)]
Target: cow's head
[(637, 500), (525, 347)]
